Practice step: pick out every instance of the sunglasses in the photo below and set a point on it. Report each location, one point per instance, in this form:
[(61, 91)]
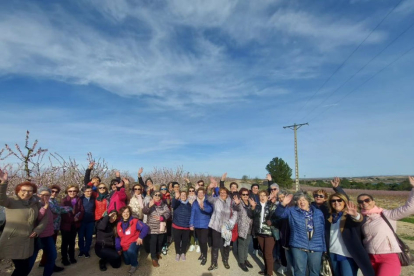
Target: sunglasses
[(163, 189), (367, 200), (72, 191), (191, 191), (102, 188), (336, 200), (157, 195), (138, 189), (320, 196), (274, 189), (245, 194), (55, 192)]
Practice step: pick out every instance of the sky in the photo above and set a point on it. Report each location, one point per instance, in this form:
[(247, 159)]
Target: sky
[(209, 85)]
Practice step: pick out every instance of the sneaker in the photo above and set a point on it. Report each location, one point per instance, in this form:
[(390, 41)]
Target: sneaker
[(183, 258), (191, 249), (132, 270), (198, 249), (164, 250), (81, 254), (248, 264), (282, 270), (87, 255), (177, 257)]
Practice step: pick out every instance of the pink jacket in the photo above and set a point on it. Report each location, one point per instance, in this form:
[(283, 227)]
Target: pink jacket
[(118, 200), (378, 237)]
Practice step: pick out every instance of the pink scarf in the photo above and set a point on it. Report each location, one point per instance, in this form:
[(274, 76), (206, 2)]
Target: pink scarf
[(375, 210)]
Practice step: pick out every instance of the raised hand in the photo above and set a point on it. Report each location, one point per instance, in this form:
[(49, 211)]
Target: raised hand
[(268, 177), (411, 179), (91, 164), (140, 170), (352, 209), (287, 200), (213, 183), (201, 204), (236, 199), (224, 176), (151, 203), (187, 180), (126, 180), (177, 195), (335, 182), (3, 176)]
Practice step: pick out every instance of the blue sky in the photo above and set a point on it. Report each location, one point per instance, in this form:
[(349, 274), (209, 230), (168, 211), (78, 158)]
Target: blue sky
[(210, 84)]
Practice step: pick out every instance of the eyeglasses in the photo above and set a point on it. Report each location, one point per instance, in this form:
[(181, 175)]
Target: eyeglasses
[(367, 200), (72, 191), (337, 200), (55, 192), (191, 191), (320, 196), (113, 184), (27, 191), (274, 189), (138, 189), (157, 195), (102, 188), (245, 194)]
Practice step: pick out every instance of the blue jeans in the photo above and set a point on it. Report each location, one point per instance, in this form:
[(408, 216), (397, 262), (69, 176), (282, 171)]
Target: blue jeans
[(343, 267), (289, 260), (49, 247), (131, 255), (85, 233), (303, 259)]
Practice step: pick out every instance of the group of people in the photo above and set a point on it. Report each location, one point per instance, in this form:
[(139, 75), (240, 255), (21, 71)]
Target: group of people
[(296, 229)]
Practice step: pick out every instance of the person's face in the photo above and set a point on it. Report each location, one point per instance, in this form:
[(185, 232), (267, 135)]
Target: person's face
[(337, 204), (25, 193), (113, 187), (137, 190), (54, 194), (157, 197), (233, 188), (191, 192), (255, 190), (44, 196), (319, 198), (245, 196), (303, 204), (200, 194), (201, 184), (72, 192), (102, 189), (95, 181), (223, 195), (176, 188), (183, 196), (274, 191), (163, 189), (113, 217), (366, 203), (281, 197), (88, 192), (126, 214), (263, 197)]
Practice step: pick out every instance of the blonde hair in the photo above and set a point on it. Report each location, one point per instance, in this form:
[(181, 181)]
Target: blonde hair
[(71, 186), (341, 196)]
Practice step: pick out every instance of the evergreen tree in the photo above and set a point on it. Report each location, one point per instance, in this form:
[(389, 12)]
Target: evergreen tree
[(280, 171)]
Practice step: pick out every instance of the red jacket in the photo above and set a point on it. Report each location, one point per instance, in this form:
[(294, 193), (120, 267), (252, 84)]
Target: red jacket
[(136, 229), (100, 208)]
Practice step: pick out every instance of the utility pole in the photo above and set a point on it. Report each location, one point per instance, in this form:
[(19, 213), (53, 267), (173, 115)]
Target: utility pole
[(295, 127)]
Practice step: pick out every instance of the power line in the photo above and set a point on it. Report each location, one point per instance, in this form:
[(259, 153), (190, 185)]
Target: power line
[(367, 80), (343, 63), (362, 68)]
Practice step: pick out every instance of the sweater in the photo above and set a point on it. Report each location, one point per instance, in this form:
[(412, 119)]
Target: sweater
[(182, 213), (298, 231), (200, 218)]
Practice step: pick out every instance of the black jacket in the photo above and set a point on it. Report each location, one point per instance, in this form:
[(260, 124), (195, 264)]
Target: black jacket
[(105, 235)]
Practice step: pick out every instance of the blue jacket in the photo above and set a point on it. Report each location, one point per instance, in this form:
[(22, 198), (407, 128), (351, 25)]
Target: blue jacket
[(89, 206), (298, 232), (201, 218), (182, 213)]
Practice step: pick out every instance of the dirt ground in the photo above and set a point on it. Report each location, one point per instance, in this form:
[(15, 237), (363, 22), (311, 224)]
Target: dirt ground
[(168, 265)]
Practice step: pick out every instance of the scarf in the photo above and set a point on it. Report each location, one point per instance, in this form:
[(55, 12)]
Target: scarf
[(140, 201), (375, 210), (125, 224), (158, 203), (309, 219), (73, 201), (102, 196), (336, 216)]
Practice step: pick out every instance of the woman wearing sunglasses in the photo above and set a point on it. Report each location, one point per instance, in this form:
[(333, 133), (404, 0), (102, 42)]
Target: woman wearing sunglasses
[(245, 222), (379, 239), (166, 197), (101, 202), (70, 224), (321, 196), (157, 213), (343, 238), (137, 201)]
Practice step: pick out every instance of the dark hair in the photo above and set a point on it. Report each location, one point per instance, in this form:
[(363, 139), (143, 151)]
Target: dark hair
[(224, 189), (243, 190), (114, 181), (123, 209), (234, 183), (175, 183), (255, 184), (97, 177), (149, 179), (163, 185), (54, 186), (370, 196), (264, 191), (201, 180), (87, 188), (321, 191), (137, 184), (201, 189), (26, 183)]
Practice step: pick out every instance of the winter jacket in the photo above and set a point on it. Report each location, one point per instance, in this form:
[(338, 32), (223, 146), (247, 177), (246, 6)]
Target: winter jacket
[(89, 207), (136, 206), (378, 236), (118, 200), (201, 218), (182, 213), (49, 229), (68, 219), (244, 219), (352, 236), (298, 232), (57, 211), (136, 229), (153, 213), (221, 213), (21, 215), (264, 229), (101, 207), (105, 235)]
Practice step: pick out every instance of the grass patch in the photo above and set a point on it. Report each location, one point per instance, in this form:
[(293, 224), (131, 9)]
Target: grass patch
[(409, 219), (406, 237)]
